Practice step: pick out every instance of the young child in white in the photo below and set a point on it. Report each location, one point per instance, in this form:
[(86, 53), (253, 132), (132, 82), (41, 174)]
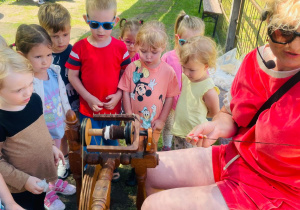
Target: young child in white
[(199, 95), (27, 155), (35, 44), (149, 84), (129, 30), (185, 27)]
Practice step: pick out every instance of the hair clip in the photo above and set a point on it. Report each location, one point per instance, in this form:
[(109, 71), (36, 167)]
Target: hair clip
[(186, 16)]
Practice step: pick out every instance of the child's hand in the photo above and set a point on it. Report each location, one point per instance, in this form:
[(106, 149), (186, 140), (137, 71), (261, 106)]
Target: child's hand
[(95, 104), (58, 155), (113, 100), (157, 125), (31, 185)]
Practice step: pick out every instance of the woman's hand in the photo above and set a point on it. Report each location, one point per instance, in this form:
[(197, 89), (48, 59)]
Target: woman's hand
[(31, 185), (13, 206), (57, 155), (206, 134)]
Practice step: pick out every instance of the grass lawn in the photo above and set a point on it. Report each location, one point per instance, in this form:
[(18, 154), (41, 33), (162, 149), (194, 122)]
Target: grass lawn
[(13, 13)]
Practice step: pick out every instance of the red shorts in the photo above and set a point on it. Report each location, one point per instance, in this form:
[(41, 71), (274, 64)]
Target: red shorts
[(242, 187)]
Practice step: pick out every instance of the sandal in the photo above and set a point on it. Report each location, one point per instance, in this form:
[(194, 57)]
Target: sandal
[(116, 176), (52, 202), (63, 187)]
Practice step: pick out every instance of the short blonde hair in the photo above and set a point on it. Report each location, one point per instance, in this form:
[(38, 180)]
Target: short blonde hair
[(283, 14), (185, 21), (100, 5), (2, 42), (199, 48), (153, 34), (12, 61), (53, 16)]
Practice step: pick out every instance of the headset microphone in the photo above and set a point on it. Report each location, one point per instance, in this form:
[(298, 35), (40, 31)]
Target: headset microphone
[(269, 64)]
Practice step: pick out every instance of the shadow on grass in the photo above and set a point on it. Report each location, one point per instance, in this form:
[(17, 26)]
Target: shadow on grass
[(165, 11), (32, 3)]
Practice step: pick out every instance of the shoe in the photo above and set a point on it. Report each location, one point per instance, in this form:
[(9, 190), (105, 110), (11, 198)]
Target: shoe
[(116, 176), (131, 181), (52, 202), (41, 2), (165, 148), (63, 187), (63, 171)]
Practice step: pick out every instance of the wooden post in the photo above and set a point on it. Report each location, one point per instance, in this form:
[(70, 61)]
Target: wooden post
[(72, 133), (233, 21)]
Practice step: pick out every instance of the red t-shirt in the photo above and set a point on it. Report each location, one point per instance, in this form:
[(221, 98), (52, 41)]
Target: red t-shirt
[(278, 164), (99, 70)]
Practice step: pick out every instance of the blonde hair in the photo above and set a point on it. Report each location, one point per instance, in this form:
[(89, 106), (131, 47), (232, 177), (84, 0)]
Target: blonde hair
[(129, 25), (199, 48), (29, 36), (2, 42), (185, 21), (283, 14), (12, 61), (153, 34), (53, 16), (100, 5)]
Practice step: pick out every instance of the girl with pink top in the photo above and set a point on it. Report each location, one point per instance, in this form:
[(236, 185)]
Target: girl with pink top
[(129, 30), (185, 27)]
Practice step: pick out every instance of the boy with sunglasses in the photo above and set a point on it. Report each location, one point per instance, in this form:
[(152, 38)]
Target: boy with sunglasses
[(98, 59), (56, 20)]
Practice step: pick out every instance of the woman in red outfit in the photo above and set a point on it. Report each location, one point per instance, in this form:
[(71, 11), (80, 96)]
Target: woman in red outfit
[(261, 168)]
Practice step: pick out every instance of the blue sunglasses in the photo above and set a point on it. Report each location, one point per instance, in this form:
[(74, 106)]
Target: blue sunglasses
[(181, 41), (105, 25)]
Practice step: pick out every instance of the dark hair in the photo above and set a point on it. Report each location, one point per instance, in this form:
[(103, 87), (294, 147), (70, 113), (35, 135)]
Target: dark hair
[(129, 25), (28, 36)]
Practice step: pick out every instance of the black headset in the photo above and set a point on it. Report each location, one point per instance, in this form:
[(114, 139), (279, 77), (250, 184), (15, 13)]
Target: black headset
[(269, 64)]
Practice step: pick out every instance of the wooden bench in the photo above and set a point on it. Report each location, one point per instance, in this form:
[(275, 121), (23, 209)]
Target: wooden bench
[(211, 8)]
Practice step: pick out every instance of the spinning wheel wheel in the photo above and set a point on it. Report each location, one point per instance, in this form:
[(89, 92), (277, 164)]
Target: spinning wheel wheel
[(93, 192), (88, 185)]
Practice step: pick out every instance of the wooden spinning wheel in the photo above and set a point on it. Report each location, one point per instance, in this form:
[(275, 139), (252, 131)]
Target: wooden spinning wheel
[(93, 191), (88, 184)]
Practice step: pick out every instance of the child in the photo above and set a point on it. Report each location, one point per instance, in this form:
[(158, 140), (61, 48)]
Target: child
[(56, 20), (129, 29), (199, 96), (27, 151), (99, 59), (35, 44), (149, 84), (185, 27)]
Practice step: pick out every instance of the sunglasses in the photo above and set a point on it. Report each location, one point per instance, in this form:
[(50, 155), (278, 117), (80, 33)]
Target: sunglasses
[(181, 41), (105, 25), (281, 36)]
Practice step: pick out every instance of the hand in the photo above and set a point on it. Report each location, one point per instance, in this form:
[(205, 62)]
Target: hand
[(157, 125), (58, 155), (31, 185), (113, 100), (95, 104), (202, 135), (222, 125)]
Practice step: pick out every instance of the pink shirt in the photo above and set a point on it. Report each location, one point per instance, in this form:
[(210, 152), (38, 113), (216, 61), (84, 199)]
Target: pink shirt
[(148, 89), (172, 59)]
